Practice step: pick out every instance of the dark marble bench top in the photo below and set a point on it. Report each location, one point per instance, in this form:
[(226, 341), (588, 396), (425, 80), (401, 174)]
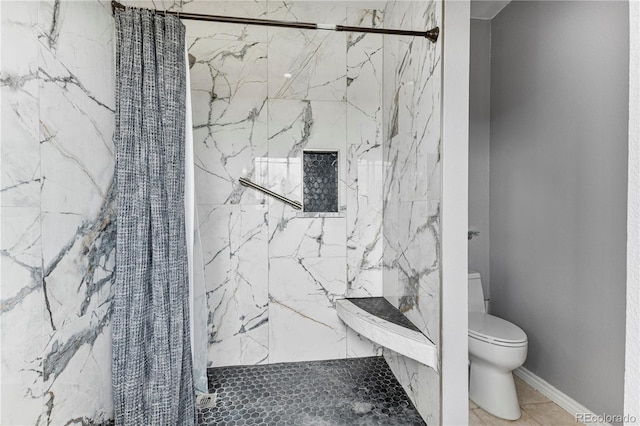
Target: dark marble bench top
[(382, 308)]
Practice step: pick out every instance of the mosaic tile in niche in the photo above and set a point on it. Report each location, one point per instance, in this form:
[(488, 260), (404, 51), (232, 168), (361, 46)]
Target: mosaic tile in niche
[(320, 179)]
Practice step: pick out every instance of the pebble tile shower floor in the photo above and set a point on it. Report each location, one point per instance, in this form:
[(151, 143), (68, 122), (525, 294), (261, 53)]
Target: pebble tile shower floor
[(356, 391)]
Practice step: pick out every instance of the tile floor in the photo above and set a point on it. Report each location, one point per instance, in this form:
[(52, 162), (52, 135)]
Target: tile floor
[(537, 409), (344, 392), (359, 391)]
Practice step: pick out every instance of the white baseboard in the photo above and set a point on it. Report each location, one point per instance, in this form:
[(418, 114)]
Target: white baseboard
[(563, 400)]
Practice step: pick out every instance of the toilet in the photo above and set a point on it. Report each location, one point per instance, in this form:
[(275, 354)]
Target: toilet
[(496, 348)]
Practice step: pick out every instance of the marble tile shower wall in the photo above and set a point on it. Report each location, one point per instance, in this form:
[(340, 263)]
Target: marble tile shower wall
[(260, 97), (412, 189), (57, 216)]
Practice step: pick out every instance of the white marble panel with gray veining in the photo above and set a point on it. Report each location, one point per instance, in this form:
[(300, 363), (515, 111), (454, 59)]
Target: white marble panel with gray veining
[(307, 64), (20, 171), (78, 232), (21, 295), (411, 158), (57, 245), (303, 323), (364, 220), (235, 252), (419, 267), (221, 30), (218, 30), (364, 79), (359, 346), (229, 104), (21, 317), (420, 382), (364, 155), (411, 191), (293, 127)]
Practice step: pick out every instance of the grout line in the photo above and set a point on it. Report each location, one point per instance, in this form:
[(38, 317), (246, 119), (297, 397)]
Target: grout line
[(556, 396), (522, 408), (536, 402), (532, 418)]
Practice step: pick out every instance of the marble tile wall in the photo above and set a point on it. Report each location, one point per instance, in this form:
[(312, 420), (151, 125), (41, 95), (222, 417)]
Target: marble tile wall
[(411, 225), (260, 97), (229, 103), (58, 236)]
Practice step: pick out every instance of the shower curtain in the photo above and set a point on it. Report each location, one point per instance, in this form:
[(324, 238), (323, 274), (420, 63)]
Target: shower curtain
[(152, 364)]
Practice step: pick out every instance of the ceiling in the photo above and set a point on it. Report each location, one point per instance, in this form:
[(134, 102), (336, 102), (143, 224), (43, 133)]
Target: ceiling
[(487, 9)]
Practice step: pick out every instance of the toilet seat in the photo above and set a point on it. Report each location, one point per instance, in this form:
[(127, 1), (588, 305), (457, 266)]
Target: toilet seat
[(495, 331)]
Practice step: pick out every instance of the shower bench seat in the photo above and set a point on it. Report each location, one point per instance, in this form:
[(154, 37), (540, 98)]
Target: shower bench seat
[(379, 321)]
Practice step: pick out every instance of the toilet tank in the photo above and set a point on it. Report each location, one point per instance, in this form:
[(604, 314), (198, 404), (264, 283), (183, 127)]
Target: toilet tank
[(476, 295)]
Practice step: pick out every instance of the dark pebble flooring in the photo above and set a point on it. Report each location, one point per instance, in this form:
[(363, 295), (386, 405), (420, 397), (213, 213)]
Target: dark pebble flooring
[(356, 391)]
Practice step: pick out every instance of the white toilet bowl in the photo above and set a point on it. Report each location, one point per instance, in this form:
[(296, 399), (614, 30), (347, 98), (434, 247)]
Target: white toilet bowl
[(492, 359), (496, 348)]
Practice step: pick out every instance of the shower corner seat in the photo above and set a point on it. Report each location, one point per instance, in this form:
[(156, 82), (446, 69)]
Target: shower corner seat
[(379, 321)]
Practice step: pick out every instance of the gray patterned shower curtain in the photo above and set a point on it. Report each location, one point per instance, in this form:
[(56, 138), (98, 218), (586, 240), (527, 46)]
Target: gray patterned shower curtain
[(152, 375)]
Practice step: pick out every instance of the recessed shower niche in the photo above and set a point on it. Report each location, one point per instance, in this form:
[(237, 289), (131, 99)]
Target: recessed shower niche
[(320, 181)]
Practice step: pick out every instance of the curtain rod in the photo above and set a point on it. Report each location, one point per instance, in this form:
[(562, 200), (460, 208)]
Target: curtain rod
[(432, 34)]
